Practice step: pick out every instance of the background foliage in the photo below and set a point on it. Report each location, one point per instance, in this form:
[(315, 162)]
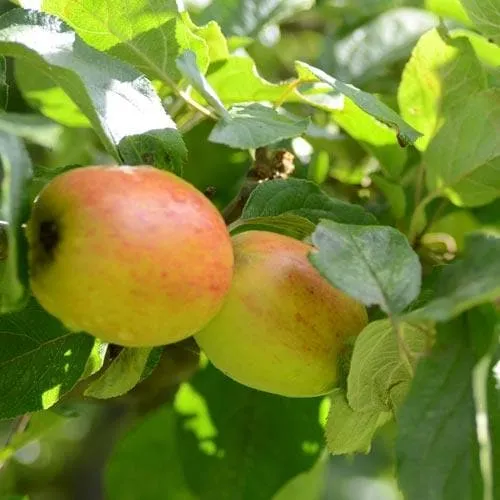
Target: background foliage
[(371, 129)]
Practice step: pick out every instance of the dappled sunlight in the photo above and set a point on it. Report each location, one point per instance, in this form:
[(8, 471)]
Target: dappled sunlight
[(50, 396), (193, 406)]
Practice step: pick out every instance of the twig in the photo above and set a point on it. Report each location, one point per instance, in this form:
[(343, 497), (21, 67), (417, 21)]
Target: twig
[(290, 88), (419, 183), (196, 105), (191, 122), (414, 230), (18, 427)]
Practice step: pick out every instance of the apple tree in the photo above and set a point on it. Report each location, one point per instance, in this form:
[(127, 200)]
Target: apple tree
[(250, 249)]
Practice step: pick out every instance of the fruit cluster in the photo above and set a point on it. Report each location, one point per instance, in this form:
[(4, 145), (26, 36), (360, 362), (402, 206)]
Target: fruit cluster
[(138, 257)]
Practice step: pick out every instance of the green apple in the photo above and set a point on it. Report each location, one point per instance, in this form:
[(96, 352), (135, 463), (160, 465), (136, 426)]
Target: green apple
[(283, 326), (133, 255)]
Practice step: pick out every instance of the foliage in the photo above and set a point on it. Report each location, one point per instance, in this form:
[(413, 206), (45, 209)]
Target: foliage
[(369, 130)]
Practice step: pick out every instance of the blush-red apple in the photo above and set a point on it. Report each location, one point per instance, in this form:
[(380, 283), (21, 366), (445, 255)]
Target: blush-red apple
[(283, 327), (133, 255)]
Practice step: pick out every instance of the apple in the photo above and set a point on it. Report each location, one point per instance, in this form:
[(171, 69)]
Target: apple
[(132, 255), (283, 327)]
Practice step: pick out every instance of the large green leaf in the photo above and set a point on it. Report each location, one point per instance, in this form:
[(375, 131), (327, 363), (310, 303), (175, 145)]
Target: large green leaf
[(437, 449), (302, 198), (245, 445), (486, 16), (40, 360), (16, 171), (440, 77), (119, 102), (148, 34), (463, 166), (374, 264)]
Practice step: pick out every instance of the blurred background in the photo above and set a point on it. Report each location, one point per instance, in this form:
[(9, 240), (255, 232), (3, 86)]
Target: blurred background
[(64, 453)]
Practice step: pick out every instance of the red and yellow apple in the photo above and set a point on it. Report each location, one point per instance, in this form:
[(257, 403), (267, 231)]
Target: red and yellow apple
[(282, 327), (132, 255)]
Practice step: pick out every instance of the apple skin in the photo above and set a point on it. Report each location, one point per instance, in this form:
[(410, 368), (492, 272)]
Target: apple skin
[(132, 255), (282, 326)]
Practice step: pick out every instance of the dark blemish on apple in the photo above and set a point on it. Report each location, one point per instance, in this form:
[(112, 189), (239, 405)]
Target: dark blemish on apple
[(148, 158), (299, 318), (49, 236), (210, 192)]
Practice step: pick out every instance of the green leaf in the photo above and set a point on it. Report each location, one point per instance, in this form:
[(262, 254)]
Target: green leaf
[(302, 198), (16, 171), (96, 358), (44, 95), (440, 77), (187, 65), (156, 441), (287, 224), (437, 449), (236, 80), (493, 406), (374, 264), (349, 431), (394, 194), (118, 100), (210, 450), (467, 282), (34, 128), (486, 16), (147, 34), (248, 17), (156, 148), (370, 49), (449, 8), (308, 485), (4, 88), (377, 367), (374, 136), (254, 126), (465, 167), (124, 373), (40, 360), (367, 102), (487, 52), (213, 36)]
